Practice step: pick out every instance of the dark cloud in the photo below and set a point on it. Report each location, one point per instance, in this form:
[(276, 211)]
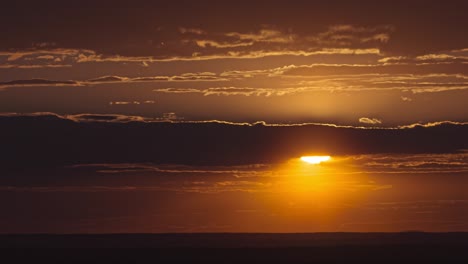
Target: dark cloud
[(36, 82), (33, 66), (104, 118), (202, 76), (50, 140), (108, 79), (380, 164)]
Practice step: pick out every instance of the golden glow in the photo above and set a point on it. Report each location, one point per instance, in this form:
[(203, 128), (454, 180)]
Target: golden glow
[(318, 193), (315, 159)]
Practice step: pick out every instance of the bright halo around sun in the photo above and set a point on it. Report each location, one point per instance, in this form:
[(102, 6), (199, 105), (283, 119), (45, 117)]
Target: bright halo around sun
[(315, 159)]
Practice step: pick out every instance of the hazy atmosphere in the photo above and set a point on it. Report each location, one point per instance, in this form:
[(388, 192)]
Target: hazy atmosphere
[(234, 116)]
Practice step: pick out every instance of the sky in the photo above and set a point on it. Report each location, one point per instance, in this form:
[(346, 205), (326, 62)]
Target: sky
[(176, 116)]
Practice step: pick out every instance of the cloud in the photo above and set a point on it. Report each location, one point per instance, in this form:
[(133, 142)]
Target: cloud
[(104, 118), (272, 41), (417, 74), (93, 138), (164, 169), (234, 91), (234, 42), (200, 76), (429, 78), (131, 102), (282, 81), (189, 44), (348, 69), (105, 79), (35, 58), (346, 35), (37, 52), (34, 66), (230, 54), (265, 178), (370, 121), (185, 77), (177, 90), (410, 163), (208, 181), (350, 164), (119, 118), (266, 34), (442, 57), (433, 124), (124, 103), (37, 82), (42, 57), (222, 45), (46, 57)]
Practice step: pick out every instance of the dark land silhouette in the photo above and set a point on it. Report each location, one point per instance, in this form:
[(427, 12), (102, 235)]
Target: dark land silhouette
[(406, 247)]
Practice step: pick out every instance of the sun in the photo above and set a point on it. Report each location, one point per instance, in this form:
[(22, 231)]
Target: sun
[(315, 159)]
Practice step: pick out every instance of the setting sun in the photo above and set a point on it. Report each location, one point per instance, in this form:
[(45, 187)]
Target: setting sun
[(315, 159)]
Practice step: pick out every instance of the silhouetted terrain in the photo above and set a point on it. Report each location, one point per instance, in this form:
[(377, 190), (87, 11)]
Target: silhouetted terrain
[(410, 247)]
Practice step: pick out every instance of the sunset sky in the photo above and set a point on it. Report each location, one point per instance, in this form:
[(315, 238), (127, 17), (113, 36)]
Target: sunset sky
[(192, 116)]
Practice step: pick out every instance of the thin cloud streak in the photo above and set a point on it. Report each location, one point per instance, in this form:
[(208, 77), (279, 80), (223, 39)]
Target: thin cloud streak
[(89, 117)]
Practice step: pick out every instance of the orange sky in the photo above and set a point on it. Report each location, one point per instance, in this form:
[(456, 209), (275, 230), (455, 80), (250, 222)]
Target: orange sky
[(352, 193), (316, 62), (183, 117)]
